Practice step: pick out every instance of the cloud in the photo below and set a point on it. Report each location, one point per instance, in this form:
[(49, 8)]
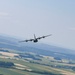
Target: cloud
[(3, 14)]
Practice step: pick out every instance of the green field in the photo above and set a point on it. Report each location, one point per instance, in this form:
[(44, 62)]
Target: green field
[(38, 67)]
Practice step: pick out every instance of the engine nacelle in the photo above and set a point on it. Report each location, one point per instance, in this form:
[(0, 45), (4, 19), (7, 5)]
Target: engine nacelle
[(43, 37)]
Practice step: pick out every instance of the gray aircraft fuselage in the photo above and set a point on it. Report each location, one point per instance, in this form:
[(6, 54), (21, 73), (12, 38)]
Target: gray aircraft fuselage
[(35, 40)]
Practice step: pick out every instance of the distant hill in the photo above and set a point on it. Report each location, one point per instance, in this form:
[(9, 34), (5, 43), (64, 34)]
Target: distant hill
[(39, 48)]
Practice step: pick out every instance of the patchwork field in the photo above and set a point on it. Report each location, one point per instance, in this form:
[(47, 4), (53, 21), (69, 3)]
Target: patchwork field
[(33, 67)]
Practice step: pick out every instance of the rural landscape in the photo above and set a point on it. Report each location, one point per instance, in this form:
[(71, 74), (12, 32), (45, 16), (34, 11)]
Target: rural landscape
[(37, 37), (31, 59)]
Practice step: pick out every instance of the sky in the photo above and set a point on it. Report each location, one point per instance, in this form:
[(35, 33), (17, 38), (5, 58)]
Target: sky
[(23, 18)]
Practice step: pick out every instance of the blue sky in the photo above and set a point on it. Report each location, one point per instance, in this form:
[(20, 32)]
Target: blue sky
[(23, 18)]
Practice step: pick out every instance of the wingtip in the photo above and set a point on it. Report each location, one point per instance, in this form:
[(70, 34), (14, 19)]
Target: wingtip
[(50, 35)]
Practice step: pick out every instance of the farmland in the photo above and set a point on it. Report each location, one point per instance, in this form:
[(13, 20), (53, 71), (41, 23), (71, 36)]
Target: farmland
[(29, 66)]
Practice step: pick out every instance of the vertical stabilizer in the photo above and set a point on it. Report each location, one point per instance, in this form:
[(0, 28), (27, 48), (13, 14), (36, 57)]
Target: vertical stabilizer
[(34, 36)]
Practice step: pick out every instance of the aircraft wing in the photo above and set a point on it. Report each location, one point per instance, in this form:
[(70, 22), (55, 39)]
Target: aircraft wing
[(43, 36), (27, 40)]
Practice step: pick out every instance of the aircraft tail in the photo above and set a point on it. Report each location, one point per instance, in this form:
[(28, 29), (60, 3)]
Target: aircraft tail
[(34, 36)]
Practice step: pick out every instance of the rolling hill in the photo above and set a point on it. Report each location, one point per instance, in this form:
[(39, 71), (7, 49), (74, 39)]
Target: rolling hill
[(38, 48)]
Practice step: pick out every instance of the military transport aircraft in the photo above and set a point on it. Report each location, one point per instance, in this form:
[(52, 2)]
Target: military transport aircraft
[(35, 39)]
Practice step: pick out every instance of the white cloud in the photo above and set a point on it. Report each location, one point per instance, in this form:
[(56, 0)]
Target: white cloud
[(3, 14)]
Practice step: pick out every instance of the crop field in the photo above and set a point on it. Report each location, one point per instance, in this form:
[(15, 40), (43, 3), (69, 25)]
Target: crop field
[(29, 66), (37, 69)]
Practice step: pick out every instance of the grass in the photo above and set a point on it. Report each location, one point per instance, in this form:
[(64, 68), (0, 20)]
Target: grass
[(6, 71), (35, 67)]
